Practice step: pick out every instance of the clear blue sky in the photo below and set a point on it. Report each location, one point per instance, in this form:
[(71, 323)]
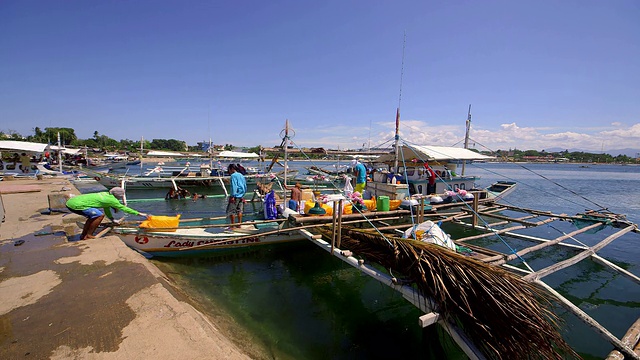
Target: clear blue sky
[(539, 74)]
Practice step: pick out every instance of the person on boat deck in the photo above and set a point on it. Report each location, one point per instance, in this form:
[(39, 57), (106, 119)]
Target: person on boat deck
[(25, 160), (236, 198), (296, 196), (431, 185), (361, 175), (89, 205)]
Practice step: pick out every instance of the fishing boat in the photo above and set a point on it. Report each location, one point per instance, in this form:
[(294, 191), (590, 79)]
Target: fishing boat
[(486, 297), (407, 171), (182, 179), (205, 235), (13, 167)]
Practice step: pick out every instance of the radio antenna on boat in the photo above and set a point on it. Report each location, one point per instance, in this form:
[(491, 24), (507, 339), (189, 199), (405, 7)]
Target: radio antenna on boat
[(141, 152), (466, 137), (285, 145), (59, 154), (397, 136)]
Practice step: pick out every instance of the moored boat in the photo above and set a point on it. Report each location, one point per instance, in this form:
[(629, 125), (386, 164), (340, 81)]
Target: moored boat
[(199, 235)]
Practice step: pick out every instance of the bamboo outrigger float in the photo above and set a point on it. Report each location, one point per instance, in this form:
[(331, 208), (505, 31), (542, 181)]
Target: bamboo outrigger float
[(359, 255)]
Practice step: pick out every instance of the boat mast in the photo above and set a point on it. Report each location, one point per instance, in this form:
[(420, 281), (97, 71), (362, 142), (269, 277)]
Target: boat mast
[(285, 143), (466, 137), (59, 153), (141, 149), (397, 136)]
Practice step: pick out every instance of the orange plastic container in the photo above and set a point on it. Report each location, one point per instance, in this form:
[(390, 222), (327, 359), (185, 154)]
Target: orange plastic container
[(161, 223)]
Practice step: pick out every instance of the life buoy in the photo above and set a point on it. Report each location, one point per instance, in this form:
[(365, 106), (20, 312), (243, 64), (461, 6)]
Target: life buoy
[(141, 240), (96, 178)]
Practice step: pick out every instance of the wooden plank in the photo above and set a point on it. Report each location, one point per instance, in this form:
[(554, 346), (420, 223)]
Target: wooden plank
[(17, 189), (631, 339)]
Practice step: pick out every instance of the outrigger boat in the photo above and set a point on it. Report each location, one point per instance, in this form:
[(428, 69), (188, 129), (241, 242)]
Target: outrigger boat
[(35, 151), (182, 179), (486, 299), (205, 235), (407, 167)]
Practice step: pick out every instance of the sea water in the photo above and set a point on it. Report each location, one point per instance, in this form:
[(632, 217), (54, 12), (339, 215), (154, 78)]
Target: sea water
[(295, 301)]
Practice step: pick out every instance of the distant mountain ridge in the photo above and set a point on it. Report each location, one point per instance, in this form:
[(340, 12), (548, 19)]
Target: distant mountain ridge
[(613, 152)]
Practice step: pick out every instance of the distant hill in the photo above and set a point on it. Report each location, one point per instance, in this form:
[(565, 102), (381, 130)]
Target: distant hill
[(612, 152)]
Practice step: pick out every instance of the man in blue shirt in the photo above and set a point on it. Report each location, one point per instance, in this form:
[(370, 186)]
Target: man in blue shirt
[(236, 198), (361, 176)]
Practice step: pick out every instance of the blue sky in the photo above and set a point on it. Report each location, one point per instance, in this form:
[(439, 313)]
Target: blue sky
[(539, 74)]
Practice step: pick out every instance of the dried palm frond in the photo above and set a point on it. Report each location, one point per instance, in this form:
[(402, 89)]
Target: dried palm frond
[(505, 316)]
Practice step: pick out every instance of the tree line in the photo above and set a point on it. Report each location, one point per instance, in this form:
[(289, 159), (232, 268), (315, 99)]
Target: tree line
[(103, 142), (68, 137)]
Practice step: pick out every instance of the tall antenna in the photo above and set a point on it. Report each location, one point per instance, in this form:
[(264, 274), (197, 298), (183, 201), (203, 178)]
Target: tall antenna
[(369, 145), (209, 150), (397, 137), (466, 137)]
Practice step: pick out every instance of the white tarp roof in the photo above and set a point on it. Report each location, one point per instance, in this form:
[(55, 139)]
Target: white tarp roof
[(12, 145), (439, 153), (163, 153), (65, 150), (236, 154)]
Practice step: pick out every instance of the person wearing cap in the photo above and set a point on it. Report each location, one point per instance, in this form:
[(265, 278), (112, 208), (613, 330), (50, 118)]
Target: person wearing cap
[(89, 205), (361, 176)]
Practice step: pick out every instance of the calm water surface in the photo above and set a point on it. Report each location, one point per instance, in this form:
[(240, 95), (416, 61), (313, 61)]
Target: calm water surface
[(296, 302)]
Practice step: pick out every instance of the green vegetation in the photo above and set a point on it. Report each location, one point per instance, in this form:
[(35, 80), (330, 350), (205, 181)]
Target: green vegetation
[(105, 143), (562, 156)]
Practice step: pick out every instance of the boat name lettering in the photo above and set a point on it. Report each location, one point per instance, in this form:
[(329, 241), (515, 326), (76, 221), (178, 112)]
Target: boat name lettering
[(174, 243), (230, 242)]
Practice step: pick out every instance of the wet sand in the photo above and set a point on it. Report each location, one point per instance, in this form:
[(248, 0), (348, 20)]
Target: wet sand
[(64, 298)]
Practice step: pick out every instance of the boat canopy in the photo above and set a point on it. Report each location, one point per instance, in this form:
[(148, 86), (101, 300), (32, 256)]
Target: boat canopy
[(237, 155), (433, 153), (163, 153), (12, 145), (65, 150)]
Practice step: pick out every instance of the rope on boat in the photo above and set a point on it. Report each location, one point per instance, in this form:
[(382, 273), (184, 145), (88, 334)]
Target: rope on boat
[(564, 187), (520, 182), (486, 224)]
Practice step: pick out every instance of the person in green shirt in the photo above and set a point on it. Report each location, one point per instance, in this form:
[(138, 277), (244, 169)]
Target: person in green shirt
[(89, 205)]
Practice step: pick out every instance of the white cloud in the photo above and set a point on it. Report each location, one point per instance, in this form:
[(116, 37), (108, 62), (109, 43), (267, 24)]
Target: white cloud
[(506, 136)]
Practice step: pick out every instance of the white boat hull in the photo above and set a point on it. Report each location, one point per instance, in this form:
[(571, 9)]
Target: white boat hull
[(184, 241)]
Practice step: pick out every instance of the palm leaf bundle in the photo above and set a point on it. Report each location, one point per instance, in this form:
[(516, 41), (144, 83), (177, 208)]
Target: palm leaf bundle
[(505, 316)]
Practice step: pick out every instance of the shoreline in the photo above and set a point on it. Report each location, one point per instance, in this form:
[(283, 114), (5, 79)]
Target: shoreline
[(71, 299)]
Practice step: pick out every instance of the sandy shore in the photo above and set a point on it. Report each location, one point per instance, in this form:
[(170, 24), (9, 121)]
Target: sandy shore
[(92, 299)]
